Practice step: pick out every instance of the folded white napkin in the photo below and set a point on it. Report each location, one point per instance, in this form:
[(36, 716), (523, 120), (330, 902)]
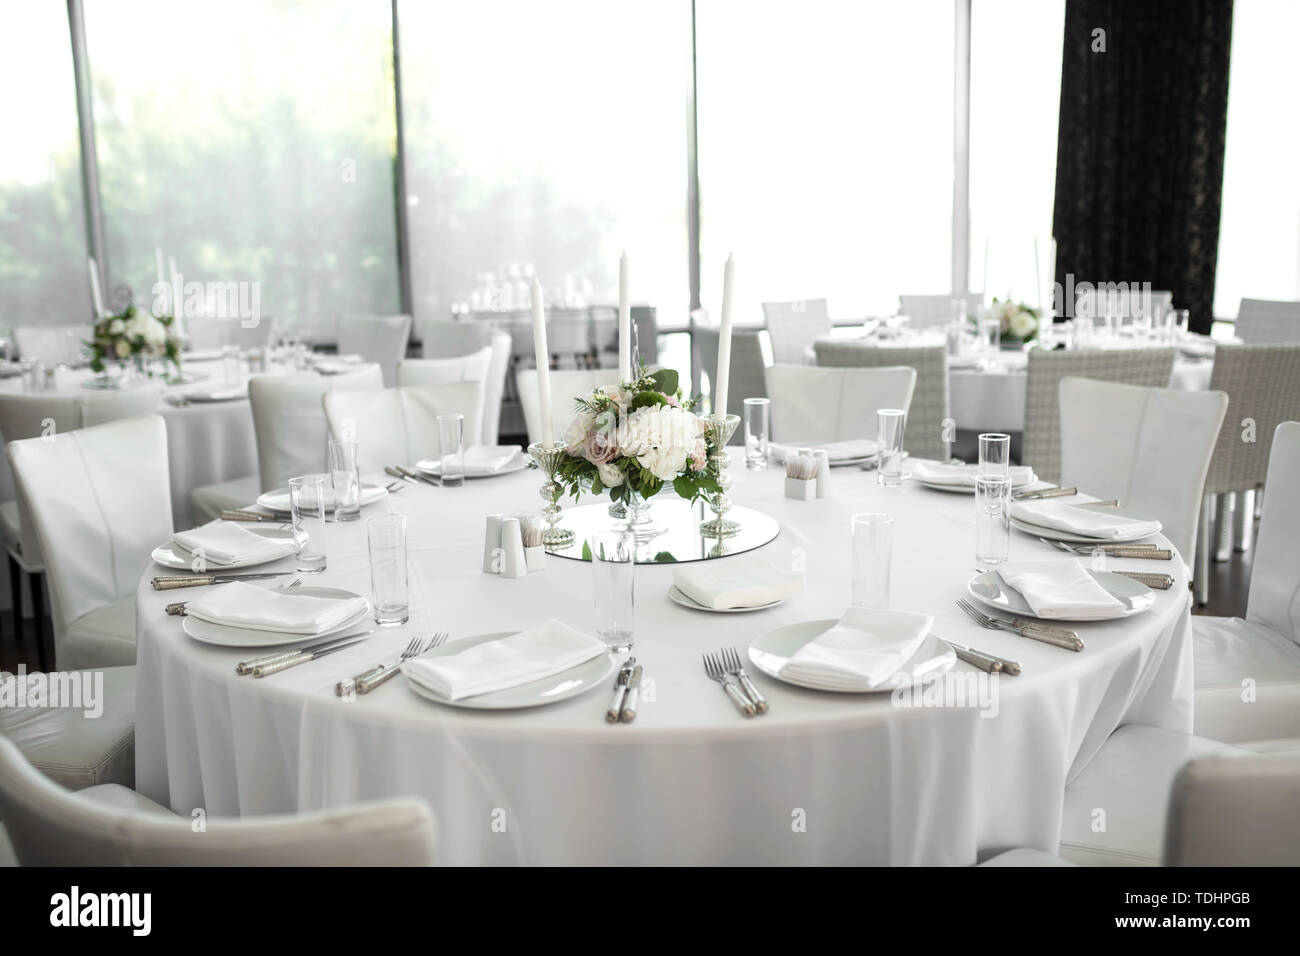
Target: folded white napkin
[(862, 651), (486, 459), (245, 605), (743, 581), (225, 542), (1062, 590), (226, 393), (963, 476), (835, 450), (530, 655), (1082, 521)]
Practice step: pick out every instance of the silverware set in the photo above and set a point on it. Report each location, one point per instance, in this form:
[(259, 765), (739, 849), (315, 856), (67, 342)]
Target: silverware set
[(1061, 493), (170, 582), (1058, 636), (244, 514), (627, 689), (381, 674), (990, 663), (724, 667), (414, 477), (1146, 551), (274, 663), (177, 608)]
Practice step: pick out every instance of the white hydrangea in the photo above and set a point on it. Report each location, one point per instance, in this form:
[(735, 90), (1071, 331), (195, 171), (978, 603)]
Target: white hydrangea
[(661, 438), (576, 433), (610, 475)]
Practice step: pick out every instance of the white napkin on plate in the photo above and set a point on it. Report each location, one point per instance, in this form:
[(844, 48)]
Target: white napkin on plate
[(743, 581), (225, 542), (835, 450), (862, 651), (1062, 590), (963, 476), (486, 459), (541, 651), (245, 605), (226, 393), (1098, 524)]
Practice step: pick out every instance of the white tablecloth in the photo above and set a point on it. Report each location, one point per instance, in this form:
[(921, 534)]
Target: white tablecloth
[(823, 778)]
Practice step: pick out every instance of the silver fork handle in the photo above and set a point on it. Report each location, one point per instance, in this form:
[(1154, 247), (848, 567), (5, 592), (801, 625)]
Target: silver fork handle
[(759, 701), (740, 700)]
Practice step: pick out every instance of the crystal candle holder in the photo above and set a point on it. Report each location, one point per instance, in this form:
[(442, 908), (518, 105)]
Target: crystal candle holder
[(719, 429), (548, 458)]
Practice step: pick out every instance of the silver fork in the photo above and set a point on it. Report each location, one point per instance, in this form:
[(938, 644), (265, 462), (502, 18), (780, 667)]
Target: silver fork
[(177, 609), (367, 681), (713, 667), (731, 661), (1149, 551), (1058, 636)]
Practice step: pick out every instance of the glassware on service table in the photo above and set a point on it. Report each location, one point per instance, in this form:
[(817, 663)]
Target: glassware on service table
[(307, 511), (230, 364), (873, 545), (1182, 321), (995, 454), (757, 417), (992, 519), (386, 537), (451, 449), (345, 473), (613, 564), (890, 425), (33, 375), (990, 334)]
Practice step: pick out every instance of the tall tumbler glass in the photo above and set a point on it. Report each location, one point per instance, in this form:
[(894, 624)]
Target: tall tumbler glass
[(992, 519), (386, 536), (307, 508), (873, 544), (995, 454), (346, 476), (757, 417), (230, 364), (890, 425), (613, 560), (451, 449)]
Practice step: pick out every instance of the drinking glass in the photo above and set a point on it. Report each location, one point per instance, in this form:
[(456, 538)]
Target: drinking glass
[(33, 375), (995, 454), (613, 562), (990, 330), (890, 424), (230, 364), (307, 508), (757, 412), (873, 544), (451, 449), (386, 536), (992, 519), (1182, 317), (345, 473)]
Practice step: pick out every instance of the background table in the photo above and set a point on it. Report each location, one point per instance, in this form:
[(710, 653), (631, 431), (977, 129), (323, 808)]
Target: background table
[(822, 779)]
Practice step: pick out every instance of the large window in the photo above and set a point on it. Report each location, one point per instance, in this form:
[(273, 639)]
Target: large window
[(255, 143), (1259, 231), (546, 137), (43, 278), (825, 151)]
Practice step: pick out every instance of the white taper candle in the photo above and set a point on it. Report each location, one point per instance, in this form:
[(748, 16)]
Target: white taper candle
[(543, 355), (624, 323), (722, 379), (96, 294)]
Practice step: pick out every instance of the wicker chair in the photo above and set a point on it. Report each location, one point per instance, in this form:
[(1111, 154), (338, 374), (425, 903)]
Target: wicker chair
[(1263, 386), (1265, 322), (925, 435), (933, 311), (748, 378), (794, 326), (1042, 449)]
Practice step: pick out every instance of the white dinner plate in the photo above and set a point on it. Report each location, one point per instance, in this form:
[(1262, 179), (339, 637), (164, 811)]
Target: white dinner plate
[(278, 500), (967, 489), (1053, 533), (549, 690), (680, 597), (216, 396), (431, 466), (172, 555), (201, 355), (989, 589), (227, 636), (771, 651)]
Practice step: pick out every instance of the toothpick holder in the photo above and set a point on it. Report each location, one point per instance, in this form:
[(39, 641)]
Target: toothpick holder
[(801, 489)]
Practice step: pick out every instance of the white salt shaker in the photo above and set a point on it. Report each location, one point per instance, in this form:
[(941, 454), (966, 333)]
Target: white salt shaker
[(823, 473), (492, 545), (513, 562)]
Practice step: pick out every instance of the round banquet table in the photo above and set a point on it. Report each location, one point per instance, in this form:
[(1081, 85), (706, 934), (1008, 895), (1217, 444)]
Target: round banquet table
[(822, 779)]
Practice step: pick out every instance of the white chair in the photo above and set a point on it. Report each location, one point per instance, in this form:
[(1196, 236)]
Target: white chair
[(376, 338), (748, 368), (793, 326), (1247, 672), (443, 339), (214, 332), (1265, 322), (109, 825), (399, 426), (1093, 303), (567, 385), (474, 367), (53, 344), (100, 501), (932, 311), (1148, 447), (813, 405)]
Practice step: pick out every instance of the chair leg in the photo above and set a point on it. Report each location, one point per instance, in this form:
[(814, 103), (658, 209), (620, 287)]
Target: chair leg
[(16, 596), (1226, 509), (37, 583), (1201, 572), (1245, 523)]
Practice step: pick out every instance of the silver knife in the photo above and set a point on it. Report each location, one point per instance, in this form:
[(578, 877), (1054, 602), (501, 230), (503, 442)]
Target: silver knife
[(169, 582), (614, 714), (1046, 493), (265, 670), (982, 660), (246, 667), (1060, 636), (417, 476), (629, 702)]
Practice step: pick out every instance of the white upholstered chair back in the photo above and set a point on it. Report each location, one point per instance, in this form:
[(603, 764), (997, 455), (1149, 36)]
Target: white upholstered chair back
[(290, 423), (1148, 447), (793, 326), (443, 338), (51, 826), (100, 501), (474, 367), (814, 405), (376, 338), (931, 311), (567, 385), (1265, 322), (214, 332), (53, 344), (1275, 571), (399, 426)]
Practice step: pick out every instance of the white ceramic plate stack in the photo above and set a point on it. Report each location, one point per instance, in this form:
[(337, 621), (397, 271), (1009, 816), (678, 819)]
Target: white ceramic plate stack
[(432, 466), (226, 635), (1055, 534), (989, 589)]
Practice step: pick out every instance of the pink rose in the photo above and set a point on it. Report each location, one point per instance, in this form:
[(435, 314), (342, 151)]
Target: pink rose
[(600, 448)]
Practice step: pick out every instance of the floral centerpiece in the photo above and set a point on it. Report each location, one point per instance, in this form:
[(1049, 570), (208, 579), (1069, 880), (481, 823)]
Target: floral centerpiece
[(1017, 321), (134, 336), (632, 439)]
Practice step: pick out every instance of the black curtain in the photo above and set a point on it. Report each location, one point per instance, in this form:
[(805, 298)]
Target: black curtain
[(1139, 166)]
